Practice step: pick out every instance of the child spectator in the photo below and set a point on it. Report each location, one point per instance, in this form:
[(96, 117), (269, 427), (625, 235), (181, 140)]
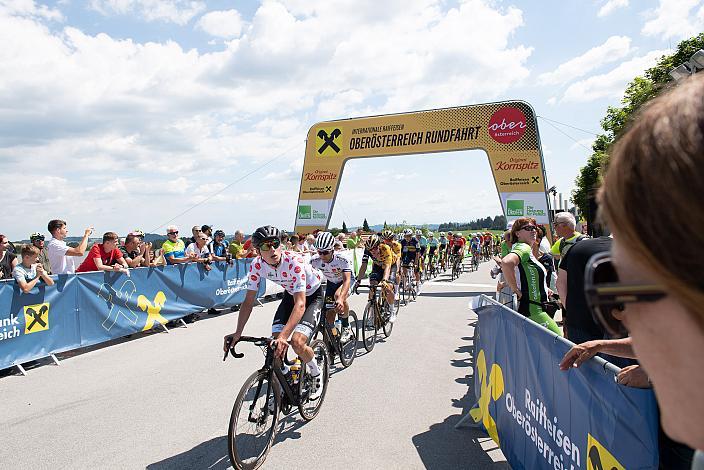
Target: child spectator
[(8, 260), (28, 273), (104, 256), (37, 240), (61, 256)]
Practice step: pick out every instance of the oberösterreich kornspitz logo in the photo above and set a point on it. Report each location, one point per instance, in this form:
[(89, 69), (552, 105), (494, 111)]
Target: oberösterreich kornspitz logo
[(507, 125)]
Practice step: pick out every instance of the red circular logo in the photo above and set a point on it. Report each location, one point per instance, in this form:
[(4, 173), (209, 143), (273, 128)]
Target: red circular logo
[(284, 274), (253, 277), (297, 269), (257, 265), (507, 125)]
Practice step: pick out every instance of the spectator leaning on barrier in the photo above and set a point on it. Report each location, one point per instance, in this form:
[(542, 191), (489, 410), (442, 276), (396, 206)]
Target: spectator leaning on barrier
[(533, 291), (195, 230), (235, 247), (174, 248), (135, 252), (218, 247), (565, 226), (29, 272), (8, 260), (208, 231), (61, 256), (37, 240), (104, 256), (649, 195), (199, 251)]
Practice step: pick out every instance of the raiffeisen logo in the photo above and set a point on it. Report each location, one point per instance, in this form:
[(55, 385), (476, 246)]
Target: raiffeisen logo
[(507, 125), (492, 387)]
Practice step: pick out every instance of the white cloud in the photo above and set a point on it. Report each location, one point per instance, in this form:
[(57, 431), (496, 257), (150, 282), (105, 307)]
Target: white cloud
[(172, 11), (675, 19), (225, 24), (29, 8), (611, 84), (552, 101), (613, 49), (610, 6), (158, 112)]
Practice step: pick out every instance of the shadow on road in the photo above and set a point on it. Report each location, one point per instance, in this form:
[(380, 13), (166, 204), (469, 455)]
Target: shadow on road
[(444, 447), (452, 294), (211, 454)]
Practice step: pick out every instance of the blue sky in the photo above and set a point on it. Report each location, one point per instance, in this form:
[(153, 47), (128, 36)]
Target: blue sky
[(123, 114)]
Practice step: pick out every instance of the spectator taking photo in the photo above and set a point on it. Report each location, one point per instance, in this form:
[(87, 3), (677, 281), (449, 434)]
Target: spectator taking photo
[(61, 256)]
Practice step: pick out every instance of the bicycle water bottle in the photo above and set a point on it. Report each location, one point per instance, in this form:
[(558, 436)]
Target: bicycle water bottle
[(296, 371), (338, 325)]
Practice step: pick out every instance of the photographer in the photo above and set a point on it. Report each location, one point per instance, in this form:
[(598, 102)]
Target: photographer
[(135, 252)]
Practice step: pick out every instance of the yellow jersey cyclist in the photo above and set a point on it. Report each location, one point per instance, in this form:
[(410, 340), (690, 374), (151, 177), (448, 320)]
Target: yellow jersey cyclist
[(338, 272), (382, 260), (387, 237), (410, 254)]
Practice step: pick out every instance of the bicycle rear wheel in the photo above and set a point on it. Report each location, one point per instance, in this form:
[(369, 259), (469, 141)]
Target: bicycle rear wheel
[(253, 421), (309, 408), (348, 350), (369, 328)]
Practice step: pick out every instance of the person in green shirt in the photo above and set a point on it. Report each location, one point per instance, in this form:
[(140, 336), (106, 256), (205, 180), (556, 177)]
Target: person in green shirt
[(565, 226), (533, 290), (236, 245), (353, 241)]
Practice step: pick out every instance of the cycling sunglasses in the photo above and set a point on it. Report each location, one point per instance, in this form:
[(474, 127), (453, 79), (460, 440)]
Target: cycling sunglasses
[(270, 245), (324, 252), (605, 294)]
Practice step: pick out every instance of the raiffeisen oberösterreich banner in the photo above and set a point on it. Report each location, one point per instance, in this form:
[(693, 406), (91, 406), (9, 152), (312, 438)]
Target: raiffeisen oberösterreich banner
[(546, 418), (506, 131)]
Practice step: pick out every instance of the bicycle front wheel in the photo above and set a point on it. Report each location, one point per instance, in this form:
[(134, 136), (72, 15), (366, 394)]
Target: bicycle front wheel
[(387, 326), (309, 407), (369, 327), (253, 421), (348, 350)]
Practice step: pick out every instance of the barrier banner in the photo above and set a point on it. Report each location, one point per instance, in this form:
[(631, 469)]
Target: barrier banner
[(85, 309), (39, 323), (545, 418)]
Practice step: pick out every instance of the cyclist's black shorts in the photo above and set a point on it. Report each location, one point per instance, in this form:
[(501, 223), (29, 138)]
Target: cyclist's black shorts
[(431, 251), (330, 291), (377, 274), (311, 316)]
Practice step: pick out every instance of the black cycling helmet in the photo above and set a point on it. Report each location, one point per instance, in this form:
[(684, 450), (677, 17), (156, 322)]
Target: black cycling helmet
[(372, 242), (219, 233), (36, 236), (262, 234)]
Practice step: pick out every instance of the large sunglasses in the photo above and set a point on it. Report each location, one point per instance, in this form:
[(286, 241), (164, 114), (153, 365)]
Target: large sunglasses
[(173, 233), (605, 294), (270, 245), (530, 228), (324, 252)]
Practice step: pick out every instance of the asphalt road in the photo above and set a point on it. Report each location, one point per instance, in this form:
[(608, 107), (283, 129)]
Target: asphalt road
[(162, 401)]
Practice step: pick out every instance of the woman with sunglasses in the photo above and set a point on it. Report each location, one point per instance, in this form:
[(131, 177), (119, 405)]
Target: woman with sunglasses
[(649, 193), (300, 308), (533, 291)]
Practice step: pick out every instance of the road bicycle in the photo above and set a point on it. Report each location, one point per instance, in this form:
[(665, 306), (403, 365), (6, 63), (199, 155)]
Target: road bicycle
[(408, 286), (377, 316), (456, 266), (333, 339), (255, 414)]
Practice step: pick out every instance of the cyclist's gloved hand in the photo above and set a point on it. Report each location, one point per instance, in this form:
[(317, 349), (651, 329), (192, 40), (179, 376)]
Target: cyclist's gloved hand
[(230, 340)]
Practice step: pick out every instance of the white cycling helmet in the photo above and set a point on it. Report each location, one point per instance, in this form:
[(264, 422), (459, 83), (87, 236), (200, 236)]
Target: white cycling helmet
[(419, 232), (407, 232), (325, 241), (430, 234), (442, 234)]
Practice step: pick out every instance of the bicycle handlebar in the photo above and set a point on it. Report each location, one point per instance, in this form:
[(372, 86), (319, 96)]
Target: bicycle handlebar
[(258, 341)]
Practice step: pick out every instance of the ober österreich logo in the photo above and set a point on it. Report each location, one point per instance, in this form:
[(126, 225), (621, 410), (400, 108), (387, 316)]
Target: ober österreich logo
[(328, 141), (507, 125)]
